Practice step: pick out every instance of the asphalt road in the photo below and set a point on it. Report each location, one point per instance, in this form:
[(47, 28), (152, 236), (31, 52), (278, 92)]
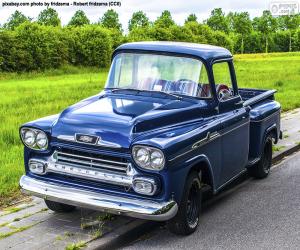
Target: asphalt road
[(254, 214)]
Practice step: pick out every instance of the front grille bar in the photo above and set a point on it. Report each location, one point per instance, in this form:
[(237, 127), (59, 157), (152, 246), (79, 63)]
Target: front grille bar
[(91, 158), (102, 168), (90, 163)]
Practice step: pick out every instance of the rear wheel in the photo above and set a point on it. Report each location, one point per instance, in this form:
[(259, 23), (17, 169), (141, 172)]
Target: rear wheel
[(187, 219), (262, 168), (59, 207)]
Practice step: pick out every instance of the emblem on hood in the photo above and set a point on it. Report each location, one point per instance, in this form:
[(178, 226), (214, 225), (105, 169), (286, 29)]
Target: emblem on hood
[(89, 139)]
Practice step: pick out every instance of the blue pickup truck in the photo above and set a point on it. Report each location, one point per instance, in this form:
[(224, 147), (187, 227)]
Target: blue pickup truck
[(170, 122)]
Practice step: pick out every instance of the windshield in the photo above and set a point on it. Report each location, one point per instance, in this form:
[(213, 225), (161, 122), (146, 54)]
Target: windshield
[(165, 73)]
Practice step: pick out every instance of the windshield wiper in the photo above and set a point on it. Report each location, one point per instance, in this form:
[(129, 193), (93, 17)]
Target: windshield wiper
[(150, 91), (166, 93), (124, 89)]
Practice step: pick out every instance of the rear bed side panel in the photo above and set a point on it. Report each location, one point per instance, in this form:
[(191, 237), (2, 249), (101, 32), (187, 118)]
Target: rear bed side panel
[(264, 119)]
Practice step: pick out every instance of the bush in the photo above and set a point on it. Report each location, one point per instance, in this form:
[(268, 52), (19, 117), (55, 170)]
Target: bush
[(90, 45), (13, 55), (33, 46), (281, 41), (37, 47), (44, 44)]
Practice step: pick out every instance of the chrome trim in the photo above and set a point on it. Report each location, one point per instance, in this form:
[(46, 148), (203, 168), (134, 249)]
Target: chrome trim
[(66, 137), (91, 168), (120, 173), (90, 173), (145, 179), (86, 136), (133, 207), (209, 138), (108, 144), (90, 158), (230, 180), (150, 149), (100, 143), (36, 131)]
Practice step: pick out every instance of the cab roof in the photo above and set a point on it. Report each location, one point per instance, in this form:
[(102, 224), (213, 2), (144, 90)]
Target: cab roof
[(203, 51)]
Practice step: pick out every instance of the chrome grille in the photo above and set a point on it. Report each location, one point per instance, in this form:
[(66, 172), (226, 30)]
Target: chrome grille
[(87, 160)]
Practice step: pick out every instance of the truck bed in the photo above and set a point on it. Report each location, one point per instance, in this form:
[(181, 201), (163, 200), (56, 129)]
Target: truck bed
[(254, 96)]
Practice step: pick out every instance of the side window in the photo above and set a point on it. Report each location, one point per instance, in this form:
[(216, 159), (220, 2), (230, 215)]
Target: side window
[(223, 81), (205, 90)]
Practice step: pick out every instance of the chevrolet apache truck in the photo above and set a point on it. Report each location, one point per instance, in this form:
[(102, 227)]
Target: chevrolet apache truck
[(170, 122)]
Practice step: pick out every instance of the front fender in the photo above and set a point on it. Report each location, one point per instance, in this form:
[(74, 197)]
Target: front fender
[(179, 174)]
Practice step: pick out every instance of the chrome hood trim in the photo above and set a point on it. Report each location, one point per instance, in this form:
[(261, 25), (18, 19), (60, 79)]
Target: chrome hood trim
[(100, 143)]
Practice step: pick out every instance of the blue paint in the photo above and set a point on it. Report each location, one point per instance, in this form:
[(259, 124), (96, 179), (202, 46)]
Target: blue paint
[(169, 124)]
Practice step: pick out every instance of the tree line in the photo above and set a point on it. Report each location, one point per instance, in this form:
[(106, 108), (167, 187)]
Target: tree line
[(27, 45)]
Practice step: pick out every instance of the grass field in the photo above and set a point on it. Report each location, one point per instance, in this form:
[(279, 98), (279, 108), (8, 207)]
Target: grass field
[(24, 97)]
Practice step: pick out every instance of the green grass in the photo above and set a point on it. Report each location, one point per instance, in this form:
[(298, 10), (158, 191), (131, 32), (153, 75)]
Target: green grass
[(25, 97), (279, 71), (28, 96), (76, 245)]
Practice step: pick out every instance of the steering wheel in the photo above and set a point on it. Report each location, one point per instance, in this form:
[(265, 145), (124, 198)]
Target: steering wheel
[(186, 86), (223, 92)]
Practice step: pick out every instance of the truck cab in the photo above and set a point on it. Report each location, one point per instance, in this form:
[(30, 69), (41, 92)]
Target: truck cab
[(170, 121)]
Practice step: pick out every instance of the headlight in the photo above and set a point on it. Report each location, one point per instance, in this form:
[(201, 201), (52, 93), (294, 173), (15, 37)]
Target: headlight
[(41, 140), (34, 138), (29, 138), (148, 157)]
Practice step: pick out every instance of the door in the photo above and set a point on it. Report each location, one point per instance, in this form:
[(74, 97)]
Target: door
[(234, 122)]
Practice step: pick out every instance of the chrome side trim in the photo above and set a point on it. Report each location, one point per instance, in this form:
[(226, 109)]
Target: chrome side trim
[(133, 207), (100, 143), (66, 137), (108, 144), (209, 138), (230, 180)]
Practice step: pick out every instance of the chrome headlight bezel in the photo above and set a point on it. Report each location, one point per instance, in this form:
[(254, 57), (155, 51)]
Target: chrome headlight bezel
[(148, 151), (35, 145)]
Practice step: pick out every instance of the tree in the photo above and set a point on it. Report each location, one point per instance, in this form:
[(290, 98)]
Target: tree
[(15, 20), (138, 20), (191, 18), (218, 21), (79, 19), (266, 24), (49, 17), (165, 20), (241, 24), (290, 24), (110, 20)]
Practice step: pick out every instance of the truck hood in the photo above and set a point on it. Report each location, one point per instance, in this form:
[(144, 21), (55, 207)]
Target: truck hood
[(118, 119)]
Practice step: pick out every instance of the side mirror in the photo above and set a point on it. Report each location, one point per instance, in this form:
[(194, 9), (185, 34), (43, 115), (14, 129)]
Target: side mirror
[(231, 104)]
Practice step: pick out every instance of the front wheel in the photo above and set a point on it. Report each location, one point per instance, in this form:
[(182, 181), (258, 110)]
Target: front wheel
[(262, 168), (59, 207), (187, 219)]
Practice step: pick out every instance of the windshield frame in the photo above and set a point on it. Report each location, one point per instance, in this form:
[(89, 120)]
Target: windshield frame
[(153, 52)]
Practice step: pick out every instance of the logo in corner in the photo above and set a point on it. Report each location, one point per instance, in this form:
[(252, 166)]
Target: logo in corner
[(89, 139)]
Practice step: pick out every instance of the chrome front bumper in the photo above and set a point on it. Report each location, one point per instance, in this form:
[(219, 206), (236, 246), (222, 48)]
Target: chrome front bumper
[(137, 208)]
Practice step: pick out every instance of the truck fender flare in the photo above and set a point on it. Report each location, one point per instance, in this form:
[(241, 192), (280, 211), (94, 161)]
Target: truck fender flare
[(199, 160), (271, 129)]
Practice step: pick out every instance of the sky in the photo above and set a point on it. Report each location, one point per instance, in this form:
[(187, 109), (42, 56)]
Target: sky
[(179, 9)]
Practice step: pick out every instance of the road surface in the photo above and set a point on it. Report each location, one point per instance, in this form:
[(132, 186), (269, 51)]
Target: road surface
[(254, 214)]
